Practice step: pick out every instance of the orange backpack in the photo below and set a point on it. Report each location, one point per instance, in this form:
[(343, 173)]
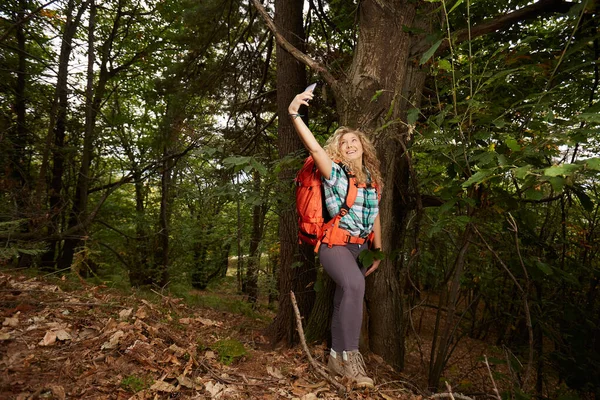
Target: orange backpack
[(315, 225)]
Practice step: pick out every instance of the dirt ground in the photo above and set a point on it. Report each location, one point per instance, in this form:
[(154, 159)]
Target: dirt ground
[(91, 342)]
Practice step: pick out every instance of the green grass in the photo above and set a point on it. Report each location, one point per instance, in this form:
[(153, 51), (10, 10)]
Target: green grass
[(134, 383)]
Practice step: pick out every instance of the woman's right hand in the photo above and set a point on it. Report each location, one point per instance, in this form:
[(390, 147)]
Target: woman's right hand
[(300, 99)]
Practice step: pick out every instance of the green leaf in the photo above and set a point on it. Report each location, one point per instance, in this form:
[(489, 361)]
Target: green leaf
[(557, 182), (499, 75), (485, 158), (447, 206), (585, 200), (545, 268), (429, 53), (512, 144), (412, 115), (563, 169), (478, 177), (593, 163), (589, 117), (499, 122), (376, 95), (390, 111), (233, 161), (522, 172), (445, 65), (318, 285), (463, 219), (367, 257), (533, 194), (458, 3), (258, 166)]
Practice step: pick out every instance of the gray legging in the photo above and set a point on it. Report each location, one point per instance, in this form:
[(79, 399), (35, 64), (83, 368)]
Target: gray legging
[(340, 263)]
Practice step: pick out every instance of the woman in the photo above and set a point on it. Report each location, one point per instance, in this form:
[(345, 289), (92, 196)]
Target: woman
[(357, 155)]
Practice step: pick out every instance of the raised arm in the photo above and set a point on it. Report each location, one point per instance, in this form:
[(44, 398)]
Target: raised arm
[(322, 160)]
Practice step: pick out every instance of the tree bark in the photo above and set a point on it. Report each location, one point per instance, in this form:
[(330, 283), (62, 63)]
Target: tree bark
[(21, 141), (55, 139), (381, 64), (438, 363), (95, 96), (291, 79), (81, 193)]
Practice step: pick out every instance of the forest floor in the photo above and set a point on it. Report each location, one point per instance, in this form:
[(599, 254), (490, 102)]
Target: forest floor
[(66, 339)]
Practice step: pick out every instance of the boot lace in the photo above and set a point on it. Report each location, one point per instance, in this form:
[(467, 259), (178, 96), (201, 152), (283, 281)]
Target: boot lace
[(357, 363)]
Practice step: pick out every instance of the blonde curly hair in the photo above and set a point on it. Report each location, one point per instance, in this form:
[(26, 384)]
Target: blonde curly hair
[(369, 158)]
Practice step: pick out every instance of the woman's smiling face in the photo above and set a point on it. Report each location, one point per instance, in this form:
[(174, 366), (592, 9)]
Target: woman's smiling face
[(351, 147)]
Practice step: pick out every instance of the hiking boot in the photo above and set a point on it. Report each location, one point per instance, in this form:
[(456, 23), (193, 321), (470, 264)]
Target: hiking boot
[(354, 366), (335, 365)]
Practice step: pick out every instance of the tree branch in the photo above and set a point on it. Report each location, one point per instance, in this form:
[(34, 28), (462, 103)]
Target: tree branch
[(297, 54), (499, 23), (341, 388), (25, 19)]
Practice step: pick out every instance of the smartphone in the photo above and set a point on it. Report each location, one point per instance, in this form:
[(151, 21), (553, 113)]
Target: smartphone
[(311, 87)]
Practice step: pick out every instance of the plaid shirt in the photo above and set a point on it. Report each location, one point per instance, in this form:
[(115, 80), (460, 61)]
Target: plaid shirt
[(361, 217)]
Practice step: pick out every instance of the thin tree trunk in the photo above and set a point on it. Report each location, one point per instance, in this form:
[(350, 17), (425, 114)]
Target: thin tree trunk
[(255, 238), (21, 141), (94, 99), (78, 211), (445, 341)]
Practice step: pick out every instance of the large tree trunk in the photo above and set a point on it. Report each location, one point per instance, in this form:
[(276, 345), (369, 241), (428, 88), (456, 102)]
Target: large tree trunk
[(291, 79), (55, 140), (381, 63)]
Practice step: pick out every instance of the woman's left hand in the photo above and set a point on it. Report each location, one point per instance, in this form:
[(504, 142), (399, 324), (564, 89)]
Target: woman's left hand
[(373, 267)]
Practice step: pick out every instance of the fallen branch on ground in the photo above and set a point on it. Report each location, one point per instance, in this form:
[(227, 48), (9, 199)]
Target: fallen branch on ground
[(312, 361)]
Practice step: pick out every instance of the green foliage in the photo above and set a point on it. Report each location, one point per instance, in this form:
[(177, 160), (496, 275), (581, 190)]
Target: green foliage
[(230, 350), (367, 257), (135, 384), (508, 144)]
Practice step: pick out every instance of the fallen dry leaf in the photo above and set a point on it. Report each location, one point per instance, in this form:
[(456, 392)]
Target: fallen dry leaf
[(49, 339), (210, 354), (208, 322), (141, 313), (185, 321), (125, 314), (5, 336), (162, 386), (58, 391), (217, 390), (63, 335), (274, 372), (11, 321), (113, 342), (178, 351), (188, 383)]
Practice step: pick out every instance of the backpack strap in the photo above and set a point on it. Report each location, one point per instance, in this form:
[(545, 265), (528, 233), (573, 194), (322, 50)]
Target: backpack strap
[(332, 232)]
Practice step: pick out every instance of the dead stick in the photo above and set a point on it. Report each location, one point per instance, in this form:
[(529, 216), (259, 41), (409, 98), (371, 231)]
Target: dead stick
[(455, 396), (449, 390), (492, 378), (338, 385)]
